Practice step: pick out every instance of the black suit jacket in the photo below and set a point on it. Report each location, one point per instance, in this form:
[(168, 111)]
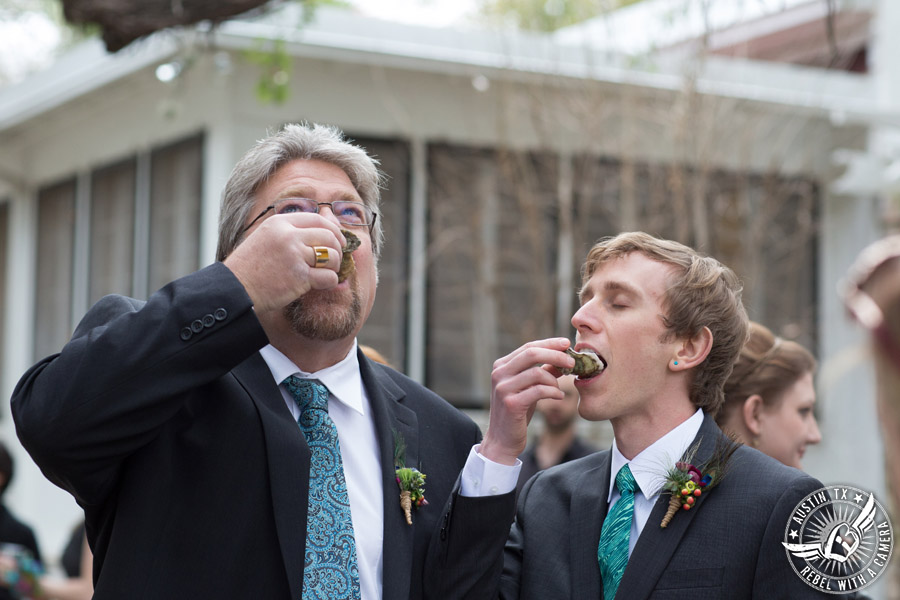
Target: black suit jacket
[(727, 547), (164, 422)]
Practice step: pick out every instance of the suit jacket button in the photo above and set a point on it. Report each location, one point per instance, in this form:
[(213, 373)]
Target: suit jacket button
[(220, 314), (186, 333), (208, 321), (197, 326)]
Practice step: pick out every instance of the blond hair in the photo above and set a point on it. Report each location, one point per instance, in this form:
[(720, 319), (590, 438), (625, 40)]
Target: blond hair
[(767, 366), (702, 293)]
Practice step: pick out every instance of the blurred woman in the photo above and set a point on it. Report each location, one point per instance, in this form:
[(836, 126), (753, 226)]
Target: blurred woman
[(770, 396)]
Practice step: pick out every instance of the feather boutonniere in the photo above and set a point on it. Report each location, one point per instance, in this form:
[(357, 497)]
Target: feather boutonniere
[(686, 483), (410, 480)]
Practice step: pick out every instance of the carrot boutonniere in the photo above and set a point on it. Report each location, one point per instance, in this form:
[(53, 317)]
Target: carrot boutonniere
[(686, 482), (410, 480)]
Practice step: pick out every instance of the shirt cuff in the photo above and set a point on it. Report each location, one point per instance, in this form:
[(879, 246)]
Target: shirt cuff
[(484, 477)]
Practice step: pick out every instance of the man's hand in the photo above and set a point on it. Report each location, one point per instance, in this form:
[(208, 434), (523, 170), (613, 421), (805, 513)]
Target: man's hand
[(518, 381), (275, 261)]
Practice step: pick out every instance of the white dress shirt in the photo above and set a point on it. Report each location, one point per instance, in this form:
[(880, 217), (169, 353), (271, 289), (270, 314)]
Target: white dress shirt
[(483, 477), (350, 409), (649, 469)]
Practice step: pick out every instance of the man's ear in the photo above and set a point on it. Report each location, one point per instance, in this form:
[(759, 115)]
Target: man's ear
[(693, 350), (750, 412)]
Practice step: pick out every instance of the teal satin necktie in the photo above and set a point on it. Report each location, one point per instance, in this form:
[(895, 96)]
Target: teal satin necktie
[(613, 549), (330, 571)]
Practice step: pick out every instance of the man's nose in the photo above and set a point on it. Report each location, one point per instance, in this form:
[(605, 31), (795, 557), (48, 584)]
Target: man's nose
[(327, 211), (584, 319)]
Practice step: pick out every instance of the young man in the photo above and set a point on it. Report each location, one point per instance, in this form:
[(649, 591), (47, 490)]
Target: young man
[(174, 422), (668, 324)]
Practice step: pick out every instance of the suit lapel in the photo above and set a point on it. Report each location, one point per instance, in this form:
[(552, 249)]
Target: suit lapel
[(392, 418), (589, 506), (288, 456), (656, 546)]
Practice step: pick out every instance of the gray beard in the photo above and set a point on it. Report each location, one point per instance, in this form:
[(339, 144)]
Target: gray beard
[(322, 314)]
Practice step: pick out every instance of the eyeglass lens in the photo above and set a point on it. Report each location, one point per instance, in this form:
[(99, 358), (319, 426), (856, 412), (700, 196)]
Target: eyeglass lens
[(349, 213)]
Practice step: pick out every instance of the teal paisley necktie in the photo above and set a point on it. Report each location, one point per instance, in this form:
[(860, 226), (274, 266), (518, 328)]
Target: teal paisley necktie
[(613, 549), (330, 571)]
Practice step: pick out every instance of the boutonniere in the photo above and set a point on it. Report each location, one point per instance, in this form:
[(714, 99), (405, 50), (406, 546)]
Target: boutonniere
[(686, 482), (410, 480)]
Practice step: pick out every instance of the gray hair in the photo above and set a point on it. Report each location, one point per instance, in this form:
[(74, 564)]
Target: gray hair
[(292, 142)]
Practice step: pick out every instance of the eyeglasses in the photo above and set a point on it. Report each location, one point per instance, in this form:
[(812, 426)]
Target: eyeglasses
[(354, 214)]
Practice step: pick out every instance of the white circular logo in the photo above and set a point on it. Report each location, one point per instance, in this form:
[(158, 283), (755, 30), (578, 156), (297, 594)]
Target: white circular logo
[(839, 539)]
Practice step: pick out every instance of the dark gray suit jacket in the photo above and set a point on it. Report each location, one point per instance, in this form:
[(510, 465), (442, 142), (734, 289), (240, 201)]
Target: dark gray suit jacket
[(192, 473), (727, 547)]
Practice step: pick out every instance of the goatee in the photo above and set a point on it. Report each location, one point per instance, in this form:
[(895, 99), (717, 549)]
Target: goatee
[(325, 315)]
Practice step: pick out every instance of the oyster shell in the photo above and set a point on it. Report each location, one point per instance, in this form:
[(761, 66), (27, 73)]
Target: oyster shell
[(347, 264), (587, 363)]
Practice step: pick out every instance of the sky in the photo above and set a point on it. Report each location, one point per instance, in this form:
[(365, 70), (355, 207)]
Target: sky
[(437, 13), (26, 44)]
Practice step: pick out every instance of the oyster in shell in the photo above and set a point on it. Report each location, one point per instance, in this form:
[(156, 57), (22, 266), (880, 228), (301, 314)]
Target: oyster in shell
[(587, 363), (347, 264)]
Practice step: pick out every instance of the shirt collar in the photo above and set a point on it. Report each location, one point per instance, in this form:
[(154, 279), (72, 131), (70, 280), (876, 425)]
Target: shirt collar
[(651, 465), (343, 380)]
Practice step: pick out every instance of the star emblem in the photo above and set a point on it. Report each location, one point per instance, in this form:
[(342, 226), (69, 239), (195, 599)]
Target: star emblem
[(857, 498), (793, 534)]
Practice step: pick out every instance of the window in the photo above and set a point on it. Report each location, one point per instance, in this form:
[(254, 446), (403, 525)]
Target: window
[(385, 329), (491, 263), (112, 230), (121, 225), (175, 194), (53, 287), (767, 232), (762, 226)]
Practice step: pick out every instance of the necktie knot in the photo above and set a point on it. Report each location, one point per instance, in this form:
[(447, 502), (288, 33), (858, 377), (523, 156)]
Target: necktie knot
[(625, 481), (307, 393)]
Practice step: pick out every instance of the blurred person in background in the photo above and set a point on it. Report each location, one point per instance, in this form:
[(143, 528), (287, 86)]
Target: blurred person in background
[(20, 556), (77, 562), (558, 441), (872, 296), (373, 354), (770, 396)]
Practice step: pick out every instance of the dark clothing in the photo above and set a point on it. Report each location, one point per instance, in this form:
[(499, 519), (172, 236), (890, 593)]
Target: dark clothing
[(14, 531), (165, 423), (578, 449), (728, 546), (71, 556)]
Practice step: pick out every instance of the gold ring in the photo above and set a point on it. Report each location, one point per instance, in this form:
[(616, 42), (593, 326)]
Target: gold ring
[(321, 256)]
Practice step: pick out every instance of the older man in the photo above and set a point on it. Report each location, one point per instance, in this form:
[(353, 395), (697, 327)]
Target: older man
[(225, 438)]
